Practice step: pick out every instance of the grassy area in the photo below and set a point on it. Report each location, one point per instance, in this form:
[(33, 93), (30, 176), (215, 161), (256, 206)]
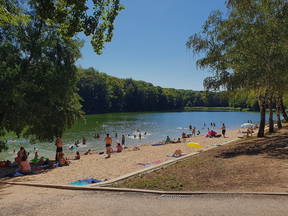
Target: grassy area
[(249, 165)]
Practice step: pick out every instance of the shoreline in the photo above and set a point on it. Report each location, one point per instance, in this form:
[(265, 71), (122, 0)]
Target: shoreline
[(96, 166)]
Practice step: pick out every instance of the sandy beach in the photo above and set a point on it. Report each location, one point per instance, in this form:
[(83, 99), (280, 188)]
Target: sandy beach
[(96, 166)]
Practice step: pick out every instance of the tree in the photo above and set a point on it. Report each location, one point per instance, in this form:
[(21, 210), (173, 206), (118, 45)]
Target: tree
[(38, 50), (38, 80), (243, 50), (69, 17), (11, 13)]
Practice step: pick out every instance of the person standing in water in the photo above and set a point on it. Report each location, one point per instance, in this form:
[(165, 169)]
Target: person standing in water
[(223, 128), (84, 141), (108, 142), (123, 140), (194, 131)]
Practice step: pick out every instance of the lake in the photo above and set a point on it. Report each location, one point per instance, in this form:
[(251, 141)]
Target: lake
[(156, 125)]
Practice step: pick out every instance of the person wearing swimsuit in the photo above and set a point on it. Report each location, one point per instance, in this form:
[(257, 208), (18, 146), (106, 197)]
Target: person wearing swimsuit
[(108, 142)]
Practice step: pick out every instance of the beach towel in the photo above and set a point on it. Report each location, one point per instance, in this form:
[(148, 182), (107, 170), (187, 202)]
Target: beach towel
[(175, 156), (194, 145), (83, 182), (157, 144), (17, 174), (149, 164)]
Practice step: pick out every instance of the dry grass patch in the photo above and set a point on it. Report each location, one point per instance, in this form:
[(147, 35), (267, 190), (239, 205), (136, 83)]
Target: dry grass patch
[(249, 165)]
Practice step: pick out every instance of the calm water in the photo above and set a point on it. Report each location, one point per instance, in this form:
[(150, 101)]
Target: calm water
[(156, 125)]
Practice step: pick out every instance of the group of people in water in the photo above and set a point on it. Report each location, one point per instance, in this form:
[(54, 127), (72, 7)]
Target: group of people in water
[(24, 165)]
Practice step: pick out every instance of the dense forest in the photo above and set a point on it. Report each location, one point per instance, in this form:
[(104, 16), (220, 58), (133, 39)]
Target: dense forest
[(102, 93)]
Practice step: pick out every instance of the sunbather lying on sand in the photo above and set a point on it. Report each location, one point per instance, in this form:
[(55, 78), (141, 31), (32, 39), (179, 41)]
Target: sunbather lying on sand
[(136, 148), (177, 153), (176, 141)]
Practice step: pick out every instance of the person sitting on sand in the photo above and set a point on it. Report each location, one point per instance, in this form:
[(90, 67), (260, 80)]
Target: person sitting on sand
[(168, 140), (62, 161), (184, 135), (176, 140), (136, 148), (211, 133), (88, 152), (198, 132), (22, 152), (177, 153), (24, 165), (77, 157), (119, 147)]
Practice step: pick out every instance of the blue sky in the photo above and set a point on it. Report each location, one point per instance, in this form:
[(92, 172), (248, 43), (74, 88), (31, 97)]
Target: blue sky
[(149, 43)]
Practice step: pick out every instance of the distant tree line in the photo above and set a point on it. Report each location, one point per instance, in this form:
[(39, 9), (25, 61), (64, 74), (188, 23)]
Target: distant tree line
[(102, 93)]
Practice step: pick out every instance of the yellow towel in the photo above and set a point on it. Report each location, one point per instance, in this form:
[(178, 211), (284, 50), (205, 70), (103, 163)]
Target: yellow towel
[(194, 145)]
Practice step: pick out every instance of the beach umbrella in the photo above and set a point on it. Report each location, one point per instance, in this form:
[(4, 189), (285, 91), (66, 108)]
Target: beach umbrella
[(194, 145), (247, 125)]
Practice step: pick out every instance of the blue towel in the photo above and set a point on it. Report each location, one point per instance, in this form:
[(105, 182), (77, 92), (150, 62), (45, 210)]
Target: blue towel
[(17, 174), (83, 182), (158, 144)]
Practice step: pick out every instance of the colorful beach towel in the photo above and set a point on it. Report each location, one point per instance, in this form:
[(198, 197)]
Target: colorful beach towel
[(149, 164), (83, 182)]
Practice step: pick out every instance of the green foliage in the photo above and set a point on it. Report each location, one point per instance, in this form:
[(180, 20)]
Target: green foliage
[(102, 93), (247, 49), (38, 51), (11, 13), (38, 80), (70, 17), (3, 146)]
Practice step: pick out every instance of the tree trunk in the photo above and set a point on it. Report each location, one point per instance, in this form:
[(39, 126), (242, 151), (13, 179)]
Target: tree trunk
[(262, 106), (278, 111), (271, 122), (283, 109)]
